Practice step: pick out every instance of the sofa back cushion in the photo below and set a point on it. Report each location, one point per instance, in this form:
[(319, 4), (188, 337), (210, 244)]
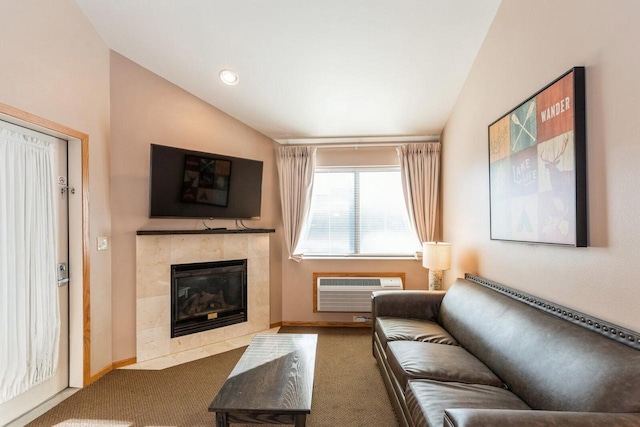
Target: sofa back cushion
[(550, 363)]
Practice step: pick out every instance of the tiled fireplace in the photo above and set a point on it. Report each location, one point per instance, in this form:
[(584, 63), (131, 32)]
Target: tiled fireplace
[(155, 256)]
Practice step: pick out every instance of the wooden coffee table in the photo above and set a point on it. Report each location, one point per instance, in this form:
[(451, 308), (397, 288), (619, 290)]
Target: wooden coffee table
[(272, 383)]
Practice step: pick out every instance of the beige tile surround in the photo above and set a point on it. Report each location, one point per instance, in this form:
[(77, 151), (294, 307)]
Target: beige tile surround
[(154, 256)]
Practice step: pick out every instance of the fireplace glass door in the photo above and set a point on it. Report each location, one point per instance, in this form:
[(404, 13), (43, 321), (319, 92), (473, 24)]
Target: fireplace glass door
[(207, 296)]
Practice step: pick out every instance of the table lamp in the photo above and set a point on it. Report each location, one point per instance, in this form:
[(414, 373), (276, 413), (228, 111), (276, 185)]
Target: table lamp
[(436, 256)]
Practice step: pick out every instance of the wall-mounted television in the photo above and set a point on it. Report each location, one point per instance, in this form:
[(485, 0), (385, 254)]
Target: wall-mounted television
[(195, 184)]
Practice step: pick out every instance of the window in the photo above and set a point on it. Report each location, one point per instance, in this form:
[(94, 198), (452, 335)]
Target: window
[(358, 212)]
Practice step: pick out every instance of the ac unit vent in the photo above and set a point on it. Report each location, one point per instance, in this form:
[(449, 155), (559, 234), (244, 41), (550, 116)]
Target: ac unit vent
[(350, 281), (351, 294)]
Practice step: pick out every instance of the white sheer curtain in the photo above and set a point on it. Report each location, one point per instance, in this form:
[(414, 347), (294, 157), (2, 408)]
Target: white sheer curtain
[(420, 170), (296, 166), (29, 310)]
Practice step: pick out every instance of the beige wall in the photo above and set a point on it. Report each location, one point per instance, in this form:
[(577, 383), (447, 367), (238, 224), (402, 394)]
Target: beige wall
[(56, 66), (147, 109), (528, 46), (297, 283)]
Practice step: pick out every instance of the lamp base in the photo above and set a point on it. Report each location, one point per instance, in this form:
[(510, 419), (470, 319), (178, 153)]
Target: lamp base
[(435, 280)]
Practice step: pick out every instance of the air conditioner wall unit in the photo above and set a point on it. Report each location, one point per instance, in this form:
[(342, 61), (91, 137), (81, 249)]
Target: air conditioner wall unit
[(351, 294)]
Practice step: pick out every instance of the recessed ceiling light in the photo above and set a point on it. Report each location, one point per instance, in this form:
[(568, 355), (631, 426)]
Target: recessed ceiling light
[(228, 77)]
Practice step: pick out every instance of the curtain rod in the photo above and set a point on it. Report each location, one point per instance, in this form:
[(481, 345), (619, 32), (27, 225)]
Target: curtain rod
[(376, 141), (356, 145)]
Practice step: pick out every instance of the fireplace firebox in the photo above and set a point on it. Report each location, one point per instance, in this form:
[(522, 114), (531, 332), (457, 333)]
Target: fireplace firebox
[(207, 295)]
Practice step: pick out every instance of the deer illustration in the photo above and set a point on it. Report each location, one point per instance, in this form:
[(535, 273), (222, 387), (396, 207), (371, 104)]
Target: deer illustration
[(560, 179)]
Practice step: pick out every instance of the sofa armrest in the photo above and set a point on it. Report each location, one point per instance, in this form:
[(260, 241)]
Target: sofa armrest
[(461, 417), (406, 304)]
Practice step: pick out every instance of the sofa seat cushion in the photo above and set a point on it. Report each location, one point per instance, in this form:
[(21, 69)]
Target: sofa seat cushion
[(461, 417), (398, 329), (415, 360), (427, 400)]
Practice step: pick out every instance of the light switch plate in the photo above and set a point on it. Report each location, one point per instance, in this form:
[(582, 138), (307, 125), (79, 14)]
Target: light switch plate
[(103, 243)]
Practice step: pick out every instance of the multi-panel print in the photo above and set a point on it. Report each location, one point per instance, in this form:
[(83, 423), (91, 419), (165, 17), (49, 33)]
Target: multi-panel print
[(537, 167)]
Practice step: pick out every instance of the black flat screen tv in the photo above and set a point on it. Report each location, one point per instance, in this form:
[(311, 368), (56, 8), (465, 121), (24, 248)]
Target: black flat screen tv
[(195, 184)]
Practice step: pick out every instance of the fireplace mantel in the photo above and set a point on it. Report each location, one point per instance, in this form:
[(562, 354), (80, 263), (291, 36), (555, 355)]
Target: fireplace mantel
[(206, 231), (158, 250)]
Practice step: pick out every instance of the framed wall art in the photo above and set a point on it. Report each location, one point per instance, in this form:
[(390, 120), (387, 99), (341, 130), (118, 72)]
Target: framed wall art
[(537, 167)]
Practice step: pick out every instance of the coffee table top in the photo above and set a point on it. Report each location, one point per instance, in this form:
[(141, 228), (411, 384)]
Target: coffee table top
[(275, 373)]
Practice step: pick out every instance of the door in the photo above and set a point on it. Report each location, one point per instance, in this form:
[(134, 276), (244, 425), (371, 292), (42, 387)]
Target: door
[(60, 380)]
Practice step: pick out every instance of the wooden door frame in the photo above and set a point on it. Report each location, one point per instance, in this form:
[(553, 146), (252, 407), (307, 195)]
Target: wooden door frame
[(26, 119)]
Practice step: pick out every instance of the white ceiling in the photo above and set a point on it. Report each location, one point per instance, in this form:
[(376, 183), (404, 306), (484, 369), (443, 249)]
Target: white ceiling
[(308, 68)]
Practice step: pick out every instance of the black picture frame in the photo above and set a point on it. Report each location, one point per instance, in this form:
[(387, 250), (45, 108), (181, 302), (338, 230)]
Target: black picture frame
[(537, 168)]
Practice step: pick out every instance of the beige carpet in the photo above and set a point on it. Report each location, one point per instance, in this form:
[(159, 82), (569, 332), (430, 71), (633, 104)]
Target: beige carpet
[(348, 390)]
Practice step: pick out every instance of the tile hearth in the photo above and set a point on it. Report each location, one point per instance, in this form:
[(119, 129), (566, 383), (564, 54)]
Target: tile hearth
[(155, 254), (197, 353)]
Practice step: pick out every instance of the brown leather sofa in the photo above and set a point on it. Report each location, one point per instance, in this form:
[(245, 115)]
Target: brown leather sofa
[(483, 354)]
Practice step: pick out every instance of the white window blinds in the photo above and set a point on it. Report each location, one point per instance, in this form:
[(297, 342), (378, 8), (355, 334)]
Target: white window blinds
[(358, 212)]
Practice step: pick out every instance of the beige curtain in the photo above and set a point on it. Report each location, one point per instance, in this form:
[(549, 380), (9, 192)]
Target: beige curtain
[(296, 166), (420, 170)]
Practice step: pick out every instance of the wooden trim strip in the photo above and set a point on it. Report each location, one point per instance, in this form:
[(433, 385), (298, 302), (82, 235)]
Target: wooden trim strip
[(101, 374), (42, 122), (86, 276), (113, 366), (125, 362), (275, 325), (86, 264)]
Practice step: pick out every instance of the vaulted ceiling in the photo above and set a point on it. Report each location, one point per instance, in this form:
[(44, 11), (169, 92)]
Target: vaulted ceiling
[(308, 68)]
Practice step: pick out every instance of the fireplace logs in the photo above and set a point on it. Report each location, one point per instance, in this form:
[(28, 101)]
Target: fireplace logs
[(203, 302)]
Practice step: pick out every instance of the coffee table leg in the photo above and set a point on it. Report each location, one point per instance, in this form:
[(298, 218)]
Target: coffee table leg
[(301, 420), (221, 419)]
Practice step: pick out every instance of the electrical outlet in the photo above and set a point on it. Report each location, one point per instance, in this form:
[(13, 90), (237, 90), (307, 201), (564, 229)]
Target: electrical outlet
[(361, 319), (103, 243)]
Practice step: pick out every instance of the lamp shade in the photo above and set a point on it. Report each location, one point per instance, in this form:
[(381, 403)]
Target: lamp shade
[(436, 255)]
